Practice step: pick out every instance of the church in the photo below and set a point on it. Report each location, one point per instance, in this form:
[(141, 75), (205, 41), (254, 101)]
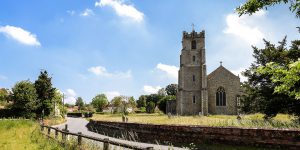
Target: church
[(198, 93)]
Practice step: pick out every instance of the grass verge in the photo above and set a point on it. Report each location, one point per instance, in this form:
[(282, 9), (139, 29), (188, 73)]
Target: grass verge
[(281, 121), (24, 135)]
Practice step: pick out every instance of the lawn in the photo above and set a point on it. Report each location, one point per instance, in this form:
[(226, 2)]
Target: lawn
[(247, 121), (24, 135)]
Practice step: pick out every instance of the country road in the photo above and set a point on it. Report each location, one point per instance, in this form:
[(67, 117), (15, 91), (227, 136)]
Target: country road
[(76, 125)]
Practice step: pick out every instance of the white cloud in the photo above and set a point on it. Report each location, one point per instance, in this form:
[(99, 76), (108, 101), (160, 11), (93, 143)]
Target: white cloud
[(70, 95), (122, 10), (87, 12), (20, 35), (110, 95), (101, 71), (71, 12), (151, 89), (245, 27), (172, 71)]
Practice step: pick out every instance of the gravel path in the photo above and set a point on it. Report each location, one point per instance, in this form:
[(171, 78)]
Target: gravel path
[(76, 125)]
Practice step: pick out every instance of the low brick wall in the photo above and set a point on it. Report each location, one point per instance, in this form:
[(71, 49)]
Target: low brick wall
[(183, 135)]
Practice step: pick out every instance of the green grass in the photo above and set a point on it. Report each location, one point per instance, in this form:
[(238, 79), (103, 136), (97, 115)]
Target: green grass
[(248, 121), (24, 135)]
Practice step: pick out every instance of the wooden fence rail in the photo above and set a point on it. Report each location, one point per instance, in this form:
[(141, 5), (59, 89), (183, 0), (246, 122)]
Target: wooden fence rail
[(106, 142)]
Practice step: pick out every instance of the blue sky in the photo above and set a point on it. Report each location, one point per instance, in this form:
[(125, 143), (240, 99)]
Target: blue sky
[(126, 47)]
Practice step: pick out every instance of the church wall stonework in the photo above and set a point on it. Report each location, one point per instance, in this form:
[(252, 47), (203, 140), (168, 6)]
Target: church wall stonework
[(221, 77)]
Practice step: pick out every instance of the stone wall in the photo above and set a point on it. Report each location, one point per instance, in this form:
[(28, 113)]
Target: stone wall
[(180, 135)]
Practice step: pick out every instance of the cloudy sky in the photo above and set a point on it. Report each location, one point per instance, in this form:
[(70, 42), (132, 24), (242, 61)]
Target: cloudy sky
[(126, 47)]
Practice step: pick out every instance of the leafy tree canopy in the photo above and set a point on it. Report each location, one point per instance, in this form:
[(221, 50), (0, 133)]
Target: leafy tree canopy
[(171, 89), (3, 94), (79, 102), (45, 93), (24, 98), (262, 85), (252, 6), (286, 79), (100, 101)]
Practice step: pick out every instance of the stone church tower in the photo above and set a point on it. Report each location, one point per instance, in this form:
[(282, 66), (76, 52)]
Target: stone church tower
[(192, 93)]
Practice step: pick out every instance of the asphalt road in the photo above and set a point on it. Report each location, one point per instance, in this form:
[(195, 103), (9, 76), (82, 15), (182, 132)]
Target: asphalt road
[(76, 125)]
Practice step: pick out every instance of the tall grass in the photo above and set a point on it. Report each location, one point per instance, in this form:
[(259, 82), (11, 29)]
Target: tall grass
[(247, 121), (24, 135)]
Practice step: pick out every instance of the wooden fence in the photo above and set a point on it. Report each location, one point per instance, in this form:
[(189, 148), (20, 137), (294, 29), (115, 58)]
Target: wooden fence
[(106, 142)]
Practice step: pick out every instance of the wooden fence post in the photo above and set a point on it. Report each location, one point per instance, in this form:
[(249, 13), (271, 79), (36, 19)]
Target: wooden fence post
[(56, 133), (106, 144), (49, 130), (79, 138), (67, 135), (42, 127), (63, 137)]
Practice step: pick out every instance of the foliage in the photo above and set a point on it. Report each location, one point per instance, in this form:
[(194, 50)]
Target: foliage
[(162, 92), (150, 107), (287, 80), (79, 102), (153, 98), (171, 89), (132, 102), (260, 88), (252, 6), (45, 93), (24, 99), (99, 102), (3, 95), (117, 101), (142, 101), (162, 104)]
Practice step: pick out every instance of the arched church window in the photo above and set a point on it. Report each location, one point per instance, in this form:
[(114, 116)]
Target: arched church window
[(194, 78), (193, 44), (220, 97), (194, 58)]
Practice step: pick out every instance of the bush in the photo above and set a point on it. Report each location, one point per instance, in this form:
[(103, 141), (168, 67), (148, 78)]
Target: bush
[(74, 114), (162, 104), (9, 113), (88, 114)]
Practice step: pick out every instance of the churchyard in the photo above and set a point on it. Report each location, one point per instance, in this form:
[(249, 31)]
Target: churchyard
[(247, 121)]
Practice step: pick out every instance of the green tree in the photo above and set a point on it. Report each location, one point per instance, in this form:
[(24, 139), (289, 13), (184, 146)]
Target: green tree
[(117, 101), (260, 88), (79, 102), (153, 98), (252, 6), (142, 101), (24, 99), (132, 102), (150, 107), (171, 89), (99, 102), (45, 93), (162, 104), (3, 95)]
